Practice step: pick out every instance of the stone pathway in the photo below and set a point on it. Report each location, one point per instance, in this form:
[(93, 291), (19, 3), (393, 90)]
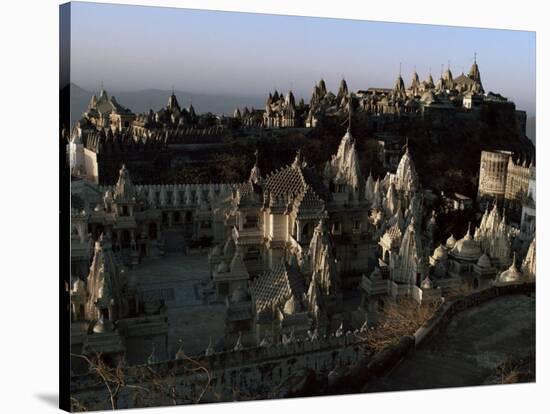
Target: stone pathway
[(475, 342)]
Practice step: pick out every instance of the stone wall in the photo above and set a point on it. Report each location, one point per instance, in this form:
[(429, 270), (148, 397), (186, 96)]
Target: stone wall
[(330, 365), (254, 371)]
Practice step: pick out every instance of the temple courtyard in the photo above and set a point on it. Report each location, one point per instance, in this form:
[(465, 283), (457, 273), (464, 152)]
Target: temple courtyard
[(180, 279)]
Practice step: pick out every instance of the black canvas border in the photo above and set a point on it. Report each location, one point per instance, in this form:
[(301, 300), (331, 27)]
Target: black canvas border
[(64, 206)]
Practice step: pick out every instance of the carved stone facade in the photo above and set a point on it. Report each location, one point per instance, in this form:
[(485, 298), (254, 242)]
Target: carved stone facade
[(504, 179)]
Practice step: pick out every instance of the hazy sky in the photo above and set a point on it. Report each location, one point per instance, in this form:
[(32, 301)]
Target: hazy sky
[(137, 47)]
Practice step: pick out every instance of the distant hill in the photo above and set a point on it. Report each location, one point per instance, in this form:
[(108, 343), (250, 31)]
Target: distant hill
[(531, 130), (142, 101)]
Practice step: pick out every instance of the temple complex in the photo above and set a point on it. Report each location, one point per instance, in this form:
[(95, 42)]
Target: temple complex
[(300, 253)]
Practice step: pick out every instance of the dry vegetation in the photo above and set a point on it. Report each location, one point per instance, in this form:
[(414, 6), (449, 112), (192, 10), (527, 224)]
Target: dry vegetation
[(515, 370), (397, 319), (147, 386)]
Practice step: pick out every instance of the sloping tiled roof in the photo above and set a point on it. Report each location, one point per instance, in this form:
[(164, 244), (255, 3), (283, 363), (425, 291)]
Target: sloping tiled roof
[(309, 203), (248, 191), (288, 180), (294, 180), (393, 236), (276, 286)]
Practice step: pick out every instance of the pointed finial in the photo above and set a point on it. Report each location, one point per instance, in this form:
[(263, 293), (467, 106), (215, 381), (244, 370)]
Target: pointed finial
[(448, 64), (298, 160), (468, 233), (475, 57)]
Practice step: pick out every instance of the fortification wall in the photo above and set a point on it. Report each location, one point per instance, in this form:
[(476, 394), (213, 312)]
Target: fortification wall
[(251, 371), (326, 366)]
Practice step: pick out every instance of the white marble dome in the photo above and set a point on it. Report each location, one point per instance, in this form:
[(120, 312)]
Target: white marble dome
[(484, 261), (510, 275), (440, 253), (451, 241), (467, 248)]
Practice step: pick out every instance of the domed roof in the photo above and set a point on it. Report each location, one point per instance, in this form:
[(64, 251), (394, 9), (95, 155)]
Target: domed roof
[(451, 241), (484, 261), (510, 275), (440, 253), (467, 248)]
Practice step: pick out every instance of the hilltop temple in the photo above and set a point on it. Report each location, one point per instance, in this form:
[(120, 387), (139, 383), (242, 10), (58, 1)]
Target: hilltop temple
[(282, 246), (283, 249), (462, 92)]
